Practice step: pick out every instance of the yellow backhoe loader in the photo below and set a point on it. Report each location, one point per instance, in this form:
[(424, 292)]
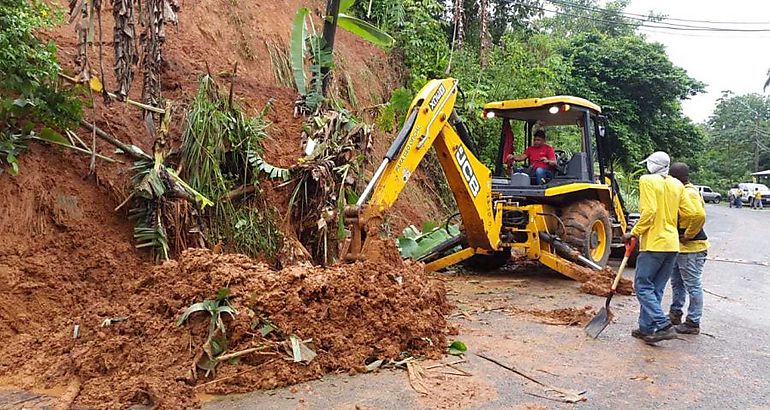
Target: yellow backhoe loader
[(575, 218)]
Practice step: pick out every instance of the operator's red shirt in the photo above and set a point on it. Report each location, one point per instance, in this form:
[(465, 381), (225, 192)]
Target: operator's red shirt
[(534, 154)]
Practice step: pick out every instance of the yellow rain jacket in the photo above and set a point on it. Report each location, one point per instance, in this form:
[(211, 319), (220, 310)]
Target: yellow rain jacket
[(694, 224), (662, 205)]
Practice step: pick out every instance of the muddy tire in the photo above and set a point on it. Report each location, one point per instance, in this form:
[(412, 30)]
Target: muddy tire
[(588, 229), (486, 263)]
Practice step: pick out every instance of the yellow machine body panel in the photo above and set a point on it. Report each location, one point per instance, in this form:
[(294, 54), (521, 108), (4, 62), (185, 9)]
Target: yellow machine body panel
[(541, 102)]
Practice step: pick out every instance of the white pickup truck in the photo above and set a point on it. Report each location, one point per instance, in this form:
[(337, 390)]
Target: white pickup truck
[(748, 190)]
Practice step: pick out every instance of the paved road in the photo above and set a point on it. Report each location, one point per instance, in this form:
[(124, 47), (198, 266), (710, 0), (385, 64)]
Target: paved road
[(728, 368)]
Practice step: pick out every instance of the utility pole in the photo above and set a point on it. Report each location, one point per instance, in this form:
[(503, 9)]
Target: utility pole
[(330, 29), (756, 144)]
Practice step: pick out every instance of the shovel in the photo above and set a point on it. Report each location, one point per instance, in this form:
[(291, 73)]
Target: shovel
[(602, 319)]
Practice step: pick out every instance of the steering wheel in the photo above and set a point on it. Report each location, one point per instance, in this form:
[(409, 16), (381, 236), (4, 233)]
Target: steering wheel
[(562, 159)]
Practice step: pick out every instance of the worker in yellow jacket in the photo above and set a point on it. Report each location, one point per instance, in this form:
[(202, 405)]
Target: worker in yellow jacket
[(693, 246), (661, 205)]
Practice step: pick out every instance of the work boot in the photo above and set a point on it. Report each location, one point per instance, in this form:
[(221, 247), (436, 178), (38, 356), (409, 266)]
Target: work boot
[(637, 333), (688, 328), (667, 333), (675, 316)]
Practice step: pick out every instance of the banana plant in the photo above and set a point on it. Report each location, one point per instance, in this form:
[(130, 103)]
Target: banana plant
[(301, 39), (360, 27)]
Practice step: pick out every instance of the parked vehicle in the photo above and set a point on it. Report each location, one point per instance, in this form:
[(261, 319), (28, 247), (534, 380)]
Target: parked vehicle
[(708, 194), (748, 188)]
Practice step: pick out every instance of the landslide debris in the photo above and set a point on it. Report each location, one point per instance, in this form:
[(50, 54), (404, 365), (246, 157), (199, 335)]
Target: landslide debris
[(348, 314)]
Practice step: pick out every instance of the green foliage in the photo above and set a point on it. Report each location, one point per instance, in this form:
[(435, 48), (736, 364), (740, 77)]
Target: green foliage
[(215, 308), (420, 34), (415, 244), (512, 15), (457, 348), (11, 145), (216, 341), (364, 30), (738, 141), (221, 151), (28, 70), (629, 186), (640, 89), (297, 48), (521, 67), (392, 115)]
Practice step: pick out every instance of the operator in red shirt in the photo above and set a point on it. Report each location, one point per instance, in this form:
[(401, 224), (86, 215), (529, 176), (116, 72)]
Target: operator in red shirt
[(541, 156)]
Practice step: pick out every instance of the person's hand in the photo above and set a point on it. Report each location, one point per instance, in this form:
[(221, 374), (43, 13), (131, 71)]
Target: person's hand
[(627, 237), (682, 239), (509, 158), (544, 159)]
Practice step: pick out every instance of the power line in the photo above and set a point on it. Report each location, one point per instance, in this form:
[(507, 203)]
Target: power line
[(642, 23), (648, 30), (651, 24), (570, 4)]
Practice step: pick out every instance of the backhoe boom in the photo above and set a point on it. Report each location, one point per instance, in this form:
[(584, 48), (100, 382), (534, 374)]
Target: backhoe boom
[(432, 122)]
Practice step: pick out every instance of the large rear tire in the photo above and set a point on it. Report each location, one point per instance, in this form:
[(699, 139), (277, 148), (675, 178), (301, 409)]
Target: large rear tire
[(588, 229)]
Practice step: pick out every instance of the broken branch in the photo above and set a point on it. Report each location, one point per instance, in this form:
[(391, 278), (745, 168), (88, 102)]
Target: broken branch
[(115, 97), (128, 150), (78, 149)]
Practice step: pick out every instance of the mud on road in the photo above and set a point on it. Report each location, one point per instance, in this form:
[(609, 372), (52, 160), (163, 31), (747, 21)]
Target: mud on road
[(726, 367)]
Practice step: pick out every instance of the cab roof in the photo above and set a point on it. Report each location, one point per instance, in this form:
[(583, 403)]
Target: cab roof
[(537, 109)]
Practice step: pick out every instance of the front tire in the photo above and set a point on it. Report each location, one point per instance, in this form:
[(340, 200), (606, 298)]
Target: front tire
[(588, 229), (717, 200)]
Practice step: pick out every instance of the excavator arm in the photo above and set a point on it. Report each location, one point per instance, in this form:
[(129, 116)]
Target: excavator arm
[(432, 122)]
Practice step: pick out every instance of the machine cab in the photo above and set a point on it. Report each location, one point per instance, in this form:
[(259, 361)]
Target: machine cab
[(574, 128)]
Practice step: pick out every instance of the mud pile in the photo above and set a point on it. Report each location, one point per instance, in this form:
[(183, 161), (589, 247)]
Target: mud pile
[(599, 282), (571, 316), (348, 314)]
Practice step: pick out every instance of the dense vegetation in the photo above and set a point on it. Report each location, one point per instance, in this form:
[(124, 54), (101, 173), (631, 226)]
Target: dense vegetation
[(28, 67), (738, 141)]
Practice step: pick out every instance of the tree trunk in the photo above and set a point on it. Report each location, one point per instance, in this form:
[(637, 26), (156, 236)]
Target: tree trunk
[(330, 29), (483, 32), (458, 23)]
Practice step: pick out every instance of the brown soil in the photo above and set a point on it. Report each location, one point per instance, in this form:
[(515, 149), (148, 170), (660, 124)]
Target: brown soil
[(570, 316), (382, 251), (599, 282), (350, 313)]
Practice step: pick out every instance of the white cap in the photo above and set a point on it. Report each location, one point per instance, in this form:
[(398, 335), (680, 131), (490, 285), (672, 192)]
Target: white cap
[(657, 163)]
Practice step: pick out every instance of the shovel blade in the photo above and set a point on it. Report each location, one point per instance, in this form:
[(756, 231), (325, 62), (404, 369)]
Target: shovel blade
[(598, 323)]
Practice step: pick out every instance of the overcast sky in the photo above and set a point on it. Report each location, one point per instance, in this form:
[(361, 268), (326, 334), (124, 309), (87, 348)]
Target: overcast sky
[(724, 61)]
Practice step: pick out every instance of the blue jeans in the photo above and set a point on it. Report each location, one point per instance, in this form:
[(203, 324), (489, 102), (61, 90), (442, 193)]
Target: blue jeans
[(686, 280), (653, 269), (538, 173)]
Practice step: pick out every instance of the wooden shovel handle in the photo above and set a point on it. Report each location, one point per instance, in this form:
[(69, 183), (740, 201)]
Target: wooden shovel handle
[(630, 245)]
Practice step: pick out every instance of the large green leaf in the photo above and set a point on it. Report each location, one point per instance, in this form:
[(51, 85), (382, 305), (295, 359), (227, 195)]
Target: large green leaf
[(415, 245), (50, 135), (297, 48), (364, 30), (206, 305), (345, 5)]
